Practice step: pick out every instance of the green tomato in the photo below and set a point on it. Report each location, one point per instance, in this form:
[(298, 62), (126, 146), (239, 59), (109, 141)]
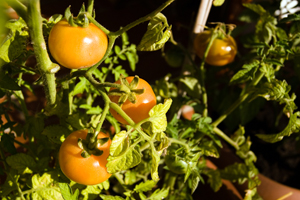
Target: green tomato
[(174, 162), (174, 56)]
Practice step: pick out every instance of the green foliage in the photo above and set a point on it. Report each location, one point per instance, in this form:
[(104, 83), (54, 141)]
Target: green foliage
[(165, 155)]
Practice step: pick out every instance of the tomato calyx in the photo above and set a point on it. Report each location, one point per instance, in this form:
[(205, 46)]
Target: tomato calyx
[(82, 18), (89, 145), (127, 91)]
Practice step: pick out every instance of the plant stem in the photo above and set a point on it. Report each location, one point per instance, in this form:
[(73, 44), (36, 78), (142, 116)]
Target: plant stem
[(102, 118), (182, 143), (226, 138), (202, 72), (3, 158), (90, 7), (143, 19), (240, 100), (46, 67), (20, 96)]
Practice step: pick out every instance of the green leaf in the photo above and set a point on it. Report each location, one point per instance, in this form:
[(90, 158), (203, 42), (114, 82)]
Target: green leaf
[(91, 192), (268, 70), (292, 127), (119, 143), (246, 73), (248, 110), (34, 125), (75, 120), (128, 159), (159, 194), (275, 90), (8, 143), (118, 71), (164, 142), (67, 192), (132, 59), (15, 42), (273, 61), (289, 18), (193, 87), (209, 149), (218, 2), (154, 164), (158, 117), (235, 172), (281, 34), (214, 179), (114, 123), (266, 25), (94, 111), (130, 177), (21, 162), (10, 184), (6, 82), (56, 133), (45, 187), (80, 86), (110, 197), (145, 186), (195, 178), (158, 33)]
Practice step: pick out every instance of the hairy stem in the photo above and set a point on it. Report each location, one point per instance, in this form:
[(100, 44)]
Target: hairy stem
[(226, 138), (46, 67)]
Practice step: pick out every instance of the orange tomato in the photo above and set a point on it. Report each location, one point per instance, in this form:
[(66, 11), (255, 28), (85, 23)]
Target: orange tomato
[(140, 110), (187, 112), (221, 52), (86, 171), (77, 47)]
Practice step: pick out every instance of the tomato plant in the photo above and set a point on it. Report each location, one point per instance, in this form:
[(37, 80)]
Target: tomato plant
[(77, 47), (174, 162), (139, 110), (161, 141), (222, 51), (86, 171)]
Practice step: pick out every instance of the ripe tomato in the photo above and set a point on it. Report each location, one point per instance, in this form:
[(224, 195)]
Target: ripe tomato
[(86, 171), (140, 110), (77, 47), (222, 50), (187, 112)]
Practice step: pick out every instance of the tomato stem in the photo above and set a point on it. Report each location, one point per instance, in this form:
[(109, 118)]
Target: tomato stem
[(20, 97), (46, 67), (90, 7), (102, 118), (202, 72), (182, 143), (142, 19), (226, 138), (240, 100)]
